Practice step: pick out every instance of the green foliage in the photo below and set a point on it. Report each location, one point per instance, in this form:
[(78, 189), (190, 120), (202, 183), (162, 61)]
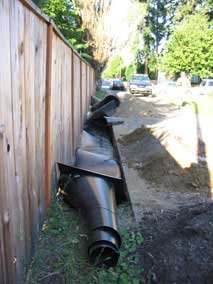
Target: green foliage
[(60, 257), (190, 47), (186, 8), (130, 70), (153, 65), (154, 29), (67, 18), (100, 94), (161, 17), (156, 21), (115, 68), (39, 3)]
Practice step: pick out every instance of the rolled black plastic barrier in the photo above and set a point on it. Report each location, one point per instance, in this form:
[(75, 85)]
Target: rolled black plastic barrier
[(95, 197), (104, 104), (101, 110), (94, 100), (94, 185), (97, 154)]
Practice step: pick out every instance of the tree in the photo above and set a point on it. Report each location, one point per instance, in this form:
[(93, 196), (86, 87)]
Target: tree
[(115, 68), (39, 3), (130, 70), (94, 16), (67, 18), (161, 17), (154, 29), (110, 27), (190, 47)]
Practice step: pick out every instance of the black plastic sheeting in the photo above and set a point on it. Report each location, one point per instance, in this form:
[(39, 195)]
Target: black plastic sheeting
[(101, 111), (94, 184)]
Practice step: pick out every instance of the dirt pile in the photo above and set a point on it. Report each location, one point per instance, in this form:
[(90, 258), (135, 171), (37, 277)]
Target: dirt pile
[(132, 105), (144, 152)]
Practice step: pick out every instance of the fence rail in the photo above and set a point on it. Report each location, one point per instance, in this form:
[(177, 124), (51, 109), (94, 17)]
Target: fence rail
[(45, 89)]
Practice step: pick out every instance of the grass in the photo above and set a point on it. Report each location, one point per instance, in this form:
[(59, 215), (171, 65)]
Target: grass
[(202, 105), (100, 94), (61, 256), (205, 105)]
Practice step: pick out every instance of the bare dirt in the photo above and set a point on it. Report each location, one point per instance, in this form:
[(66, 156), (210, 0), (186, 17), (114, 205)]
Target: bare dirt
[(164, 151), (152, 161)]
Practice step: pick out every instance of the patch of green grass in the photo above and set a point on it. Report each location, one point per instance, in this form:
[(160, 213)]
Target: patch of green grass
[(205, 106), (202, 106), (61, 257), (100, 94)]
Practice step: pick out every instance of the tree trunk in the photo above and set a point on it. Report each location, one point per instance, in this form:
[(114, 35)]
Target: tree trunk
[(146, 65)]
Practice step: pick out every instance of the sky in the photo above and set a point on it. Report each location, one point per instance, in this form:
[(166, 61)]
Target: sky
[(122, 21)]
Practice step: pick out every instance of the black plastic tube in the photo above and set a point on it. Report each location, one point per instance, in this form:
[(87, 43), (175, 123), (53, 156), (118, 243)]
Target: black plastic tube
[(95, 197), (94, 184), (104, 104)]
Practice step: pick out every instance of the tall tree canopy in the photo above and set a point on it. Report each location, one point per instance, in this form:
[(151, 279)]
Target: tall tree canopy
[(162, 19), (190, 47), (67, 18), (94, 20)]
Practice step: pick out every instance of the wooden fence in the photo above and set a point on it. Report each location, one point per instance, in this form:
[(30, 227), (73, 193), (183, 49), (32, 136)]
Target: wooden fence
[(45, 90)]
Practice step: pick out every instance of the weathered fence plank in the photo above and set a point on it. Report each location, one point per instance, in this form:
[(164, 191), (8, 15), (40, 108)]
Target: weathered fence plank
[(61, 118), (45, 90), (76, 99), (84, 91), (88, 87), (17, 33), (8, 201), (49, 64)]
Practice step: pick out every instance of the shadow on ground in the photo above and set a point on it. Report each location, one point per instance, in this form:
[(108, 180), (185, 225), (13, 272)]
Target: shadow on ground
[(178, 244)]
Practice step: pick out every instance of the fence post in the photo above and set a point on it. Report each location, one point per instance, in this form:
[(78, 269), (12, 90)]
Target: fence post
[(81, 120), (48, 116), (72, 104)]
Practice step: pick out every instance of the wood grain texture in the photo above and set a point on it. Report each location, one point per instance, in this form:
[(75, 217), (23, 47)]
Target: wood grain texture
[(38, 12), (87, 86), (76, 100), (8, 214), (45, 90), (72, 103), (48, 116), (81, 107), (35, 90), (61, 116), (84, 91), (17, 33)]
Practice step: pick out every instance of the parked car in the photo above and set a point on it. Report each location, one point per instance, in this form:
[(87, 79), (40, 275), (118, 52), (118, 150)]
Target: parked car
[(117, 85), (106, 84), (140, 84), (206, 87)]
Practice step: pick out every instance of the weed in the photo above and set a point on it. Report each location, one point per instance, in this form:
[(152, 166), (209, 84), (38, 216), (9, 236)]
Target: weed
[(61, 257), (100, 94)]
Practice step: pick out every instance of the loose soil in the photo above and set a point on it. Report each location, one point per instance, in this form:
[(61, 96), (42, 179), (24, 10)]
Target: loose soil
[(164, 150), (146, 154)]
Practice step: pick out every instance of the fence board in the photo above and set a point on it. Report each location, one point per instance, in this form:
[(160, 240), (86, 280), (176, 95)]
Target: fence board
[(88, 88), (9, 218), (76, 100), (48, 116), (35, 88), (84, 91), (45, 90), (61, 119), (18, 101)]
